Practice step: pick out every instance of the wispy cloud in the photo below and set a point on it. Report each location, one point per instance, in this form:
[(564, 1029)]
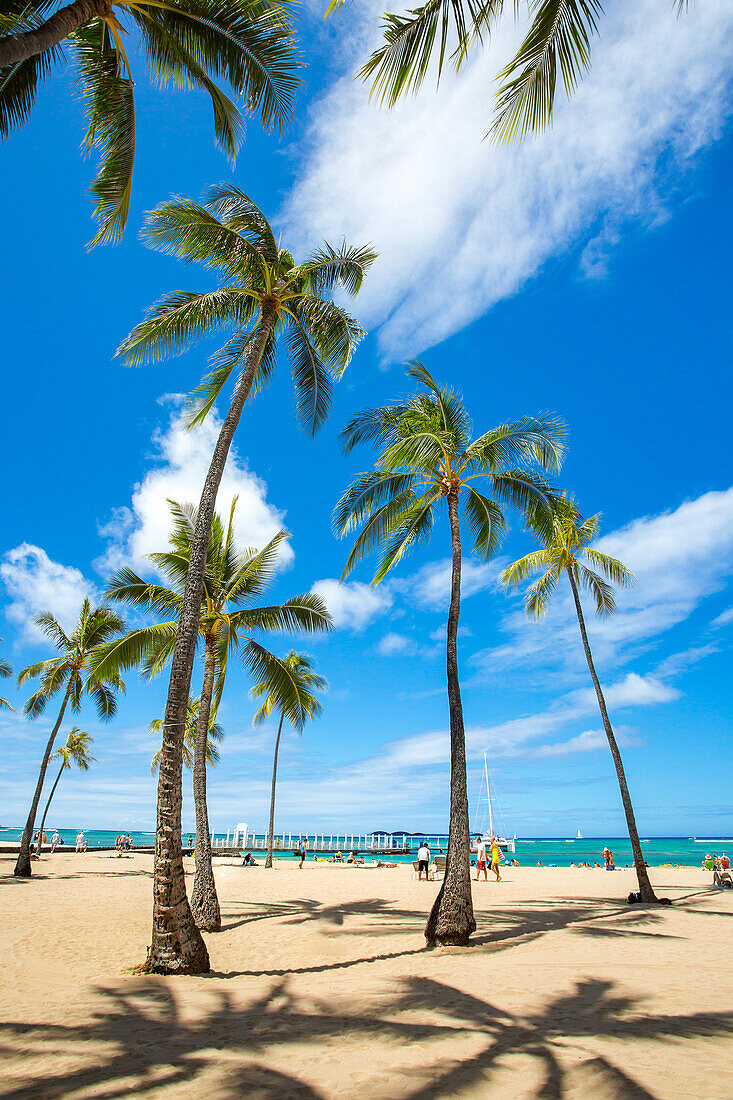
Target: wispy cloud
[(679, 559), (461, 223), (353, 605)]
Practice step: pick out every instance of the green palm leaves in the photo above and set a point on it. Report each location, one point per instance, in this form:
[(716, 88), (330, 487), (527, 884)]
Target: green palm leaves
[(230, 236), (234, 578), (424, 39), (76, 750), (5, 672), (301, 704), (75, 669), (425, 454), (565, 542), (216, 733), (185, 43)]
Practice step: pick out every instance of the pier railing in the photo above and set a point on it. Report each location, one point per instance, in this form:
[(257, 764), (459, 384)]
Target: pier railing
[(379, 843)]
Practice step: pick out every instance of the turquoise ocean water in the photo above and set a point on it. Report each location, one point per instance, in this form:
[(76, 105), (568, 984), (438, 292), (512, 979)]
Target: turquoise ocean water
[(547, 851)]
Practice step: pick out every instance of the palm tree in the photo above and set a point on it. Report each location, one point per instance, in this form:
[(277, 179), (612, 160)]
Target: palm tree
[(308, 706), (565, 543), (71, 672), (558, 38), (216, 733), (264, 296), (426, 459), (75, 751), (233, 579), (187, 43), (6, 670)]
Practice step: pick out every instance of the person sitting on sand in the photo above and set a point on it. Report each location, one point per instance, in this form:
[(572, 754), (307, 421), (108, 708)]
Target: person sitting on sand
[(351, 858), (249, 860), (423, 861), (514, 863), (708, 863), (539, 862), (481, 858)]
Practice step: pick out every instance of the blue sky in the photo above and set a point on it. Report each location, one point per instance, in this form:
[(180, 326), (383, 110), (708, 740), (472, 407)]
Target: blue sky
[(586, 273)]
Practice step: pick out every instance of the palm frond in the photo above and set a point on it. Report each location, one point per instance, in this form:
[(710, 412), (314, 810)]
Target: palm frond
[(311, 377), (539, 594), (525, 567), (189, 231), (329, 268), (110, 109), (411, 527), (18, 88), (178, 319), (600, 590), (559, 36), (244, 218), (612, 568), (368, 491), (306, 612), (486, 523)]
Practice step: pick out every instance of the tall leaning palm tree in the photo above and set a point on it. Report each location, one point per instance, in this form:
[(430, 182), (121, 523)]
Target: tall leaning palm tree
[(423, 40), (233, 580), (6, 670), (186, 43), (265, 298), (77, 750), (215, 735), (565, 543), (308, 706), (71, 675), (427, 461)]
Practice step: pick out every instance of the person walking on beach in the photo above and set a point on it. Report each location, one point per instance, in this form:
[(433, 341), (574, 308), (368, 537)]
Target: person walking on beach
[(495, 857), (303, 852), (481, 859), (80, 841), (55, 840), (423, 861)]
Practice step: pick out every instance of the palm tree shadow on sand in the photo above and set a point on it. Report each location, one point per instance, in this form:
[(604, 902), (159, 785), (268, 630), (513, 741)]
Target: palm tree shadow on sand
[(138, 1042)]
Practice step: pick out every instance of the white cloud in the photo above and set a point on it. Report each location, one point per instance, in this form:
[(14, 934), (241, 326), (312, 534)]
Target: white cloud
[(35, 583), (181, 461), (429, 587), (678, 558), (724, 618), (392, 644), (353, 605), (461, 223), (588, 741)]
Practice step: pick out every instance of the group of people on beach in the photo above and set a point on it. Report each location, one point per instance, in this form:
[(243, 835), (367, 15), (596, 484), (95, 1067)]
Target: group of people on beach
[(123, 843), (481, 857)]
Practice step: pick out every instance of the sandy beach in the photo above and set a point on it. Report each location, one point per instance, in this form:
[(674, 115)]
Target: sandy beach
[(321, 988)]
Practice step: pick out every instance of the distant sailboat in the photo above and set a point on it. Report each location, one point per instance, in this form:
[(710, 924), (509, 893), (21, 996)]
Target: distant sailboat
[(579, 836)]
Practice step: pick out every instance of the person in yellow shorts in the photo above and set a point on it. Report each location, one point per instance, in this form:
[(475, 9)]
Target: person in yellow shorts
[(495, 857)]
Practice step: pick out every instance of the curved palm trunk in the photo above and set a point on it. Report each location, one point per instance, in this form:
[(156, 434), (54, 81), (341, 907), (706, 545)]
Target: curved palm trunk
[(645, 886), (204, 902), (19, 47), (45, 812), (23, 863), (451, 920), (268, 860), (177, 946)]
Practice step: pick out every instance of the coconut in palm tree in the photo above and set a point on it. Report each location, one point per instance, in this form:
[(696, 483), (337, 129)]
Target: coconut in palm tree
[(187, 43), (72, 675), (566, 547), (307, 705), (266, 299), (229, 617), (76, 751), (427, 464)]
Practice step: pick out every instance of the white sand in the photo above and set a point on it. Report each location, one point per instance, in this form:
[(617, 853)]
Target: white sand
[(322, 988)]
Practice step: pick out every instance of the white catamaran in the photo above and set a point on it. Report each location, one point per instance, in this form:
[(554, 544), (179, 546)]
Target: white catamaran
[(504, 844)]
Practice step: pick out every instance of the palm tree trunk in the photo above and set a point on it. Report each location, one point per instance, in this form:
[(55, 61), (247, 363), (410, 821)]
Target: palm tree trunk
[(45, 812), (451, 920), (19, 47), (177, 946), (645, 886), (23, 863), (204, 902), (268, 861)]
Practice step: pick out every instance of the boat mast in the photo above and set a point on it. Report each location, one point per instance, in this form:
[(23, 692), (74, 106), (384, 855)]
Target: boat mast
[(488, 795)]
